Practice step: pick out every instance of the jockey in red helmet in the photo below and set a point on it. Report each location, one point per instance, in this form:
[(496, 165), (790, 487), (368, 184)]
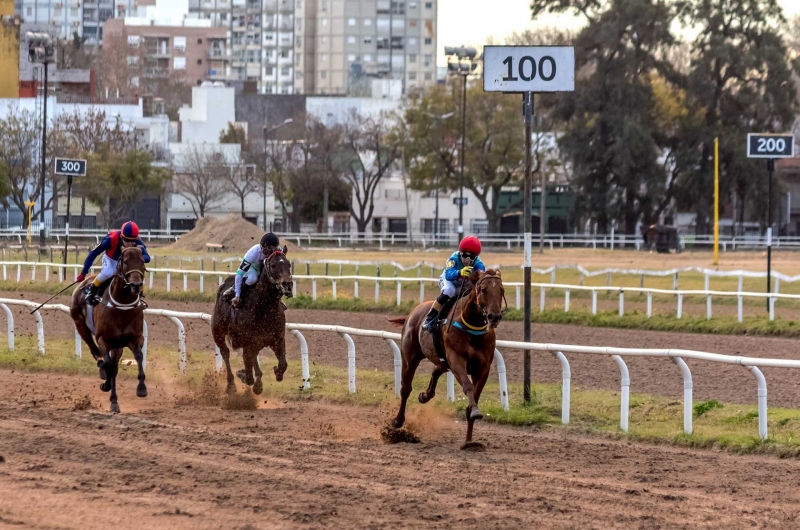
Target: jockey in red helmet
[(459, 266), (111, 247)]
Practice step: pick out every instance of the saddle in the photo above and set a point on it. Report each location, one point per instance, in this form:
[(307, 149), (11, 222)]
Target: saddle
[(438, 323)]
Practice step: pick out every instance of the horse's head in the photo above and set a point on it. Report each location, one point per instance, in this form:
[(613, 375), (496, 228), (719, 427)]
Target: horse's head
[(131, 269), (489, 294), (278, 271)]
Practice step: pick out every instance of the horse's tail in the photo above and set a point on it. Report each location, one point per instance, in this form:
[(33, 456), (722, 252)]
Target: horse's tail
[(398, 321)]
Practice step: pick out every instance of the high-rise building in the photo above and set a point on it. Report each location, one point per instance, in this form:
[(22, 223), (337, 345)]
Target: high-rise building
[(84, 18), (357, 41), (326, 46), (260, 39)]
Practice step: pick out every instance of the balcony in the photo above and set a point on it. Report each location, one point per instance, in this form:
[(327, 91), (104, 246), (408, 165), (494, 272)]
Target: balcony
[(155, 71), (216, 74), (217, 54)]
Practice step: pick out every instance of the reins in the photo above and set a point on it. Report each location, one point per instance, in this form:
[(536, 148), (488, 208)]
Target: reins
[(465, 326)]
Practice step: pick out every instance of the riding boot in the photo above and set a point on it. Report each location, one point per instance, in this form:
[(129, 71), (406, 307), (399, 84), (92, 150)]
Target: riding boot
[(434, 312), (91, 295)]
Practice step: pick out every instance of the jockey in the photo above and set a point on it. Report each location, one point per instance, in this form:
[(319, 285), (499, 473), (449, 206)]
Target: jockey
[(251, 265), (458, 269), (111, 247)]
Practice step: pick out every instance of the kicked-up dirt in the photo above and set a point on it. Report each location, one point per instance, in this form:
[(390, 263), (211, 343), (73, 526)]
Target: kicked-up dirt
[(170, 462)]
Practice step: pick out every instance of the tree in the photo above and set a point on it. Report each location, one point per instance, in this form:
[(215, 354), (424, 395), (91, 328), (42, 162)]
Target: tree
[(494, 147), (372, 148), (612, 135), (273, 161), (327, 152), (234, 134), (242, 182), (202, 178), (116, 181), (742, 80)]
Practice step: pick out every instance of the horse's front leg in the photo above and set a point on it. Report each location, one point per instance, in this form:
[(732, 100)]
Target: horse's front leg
[(258, 386), (428, 395), (479, 380), (279, 347), (458, 365), (112, 370), (248, 356), (138, 354)]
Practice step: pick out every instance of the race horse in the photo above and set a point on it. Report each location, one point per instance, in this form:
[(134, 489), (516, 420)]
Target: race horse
[(467, 339), (116, 322), (257, 323)]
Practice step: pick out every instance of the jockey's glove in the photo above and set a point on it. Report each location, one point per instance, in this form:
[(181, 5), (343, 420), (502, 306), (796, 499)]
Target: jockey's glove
[(466, 272)]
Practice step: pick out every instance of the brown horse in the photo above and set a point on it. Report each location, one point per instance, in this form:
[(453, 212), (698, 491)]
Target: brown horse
[(116, 322), (468, 339), (259, 322)]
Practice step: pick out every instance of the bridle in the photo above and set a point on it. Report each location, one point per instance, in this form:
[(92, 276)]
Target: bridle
[(463, 325), (123, 276)]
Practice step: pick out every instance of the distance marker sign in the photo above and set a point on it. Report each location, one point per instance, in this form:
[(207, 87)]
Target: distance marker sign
[(770, 145), (529, 68), (70, 168)]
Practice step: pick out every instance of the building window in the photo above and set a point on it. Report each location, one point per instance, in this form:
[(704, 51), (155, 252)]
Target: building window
[(428, 59), (412, 58), (286, 71), (200, 41), (383, 23), (285, 55), (412, 23), (367, 21), (179, 43), (351, 57), (133, 41), (323, 74), (200, 61), (428, 41), (429, 5), (428, 78), (29, 11), (412, 41), (179, 63), (57, 12), (413, 5), (351, 22), (323, 58), (323, 22), (73, 12), (412, 76), (368, 40), (367, 58), (351, 39), (323, 40), (133, 60)]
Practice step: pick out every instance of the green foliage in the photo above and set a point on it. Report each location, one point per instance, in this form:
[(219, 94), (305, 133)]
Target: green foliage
[(704, 406), (234, 134)]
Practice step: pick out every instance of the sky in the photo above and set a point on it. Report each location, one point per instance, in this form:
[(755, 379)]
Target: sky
[(472, 22)]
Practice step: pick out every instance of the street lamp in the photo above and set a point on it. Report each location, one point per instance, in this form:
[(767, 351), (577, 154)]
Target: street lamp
[(436, 219), (41, 49), (463, 62), (286, 122)]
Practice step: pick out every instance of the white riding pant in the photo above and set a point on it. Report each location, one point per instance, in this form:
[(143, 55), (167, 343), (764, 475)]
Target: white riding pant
[(108, 270), (447, 287), (250, 278)]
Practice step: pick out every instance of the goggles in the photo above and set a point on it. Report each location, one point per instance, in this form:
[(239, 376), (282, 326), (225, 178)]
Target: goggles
[(467, 256)]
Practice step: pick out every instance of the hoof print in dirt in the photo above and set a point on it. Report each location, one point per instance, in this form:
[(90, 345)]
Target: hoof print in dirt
[(474, 447), (395, 436)]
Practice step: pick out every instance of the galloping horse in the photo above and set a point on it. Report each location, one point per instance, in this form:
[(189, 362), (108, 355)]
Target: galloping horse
[(468, 339), (259, 322), (116, 322)]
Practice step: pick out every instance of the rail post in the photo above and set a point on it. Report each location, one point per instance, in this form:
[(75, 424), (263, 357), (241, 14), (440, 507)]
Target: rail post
[(566, 301), (501, 378), (762, 401), (398, 364), (303, 359), (649, 304), (399, 292), (625, 392), (621, 302), (39, 331), (451, 387), (566, 377), (144, 346), (351, 363), (687, 394), (594, 302), (10, 323), (181, 343), (680, 305)]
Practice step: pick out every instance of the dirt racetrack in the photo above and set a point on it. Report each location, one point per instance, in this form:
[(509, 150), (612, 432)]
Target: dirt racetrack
[(655, 376), (317, 465)]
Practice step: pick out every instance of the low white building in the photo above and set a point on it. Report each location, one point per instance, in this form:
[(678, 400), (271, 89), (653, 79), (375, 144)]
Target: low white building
[(213, 108)]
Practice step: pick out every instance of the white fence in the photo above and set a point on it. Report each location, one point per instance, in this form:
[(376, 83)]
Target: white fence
[(677, 356)]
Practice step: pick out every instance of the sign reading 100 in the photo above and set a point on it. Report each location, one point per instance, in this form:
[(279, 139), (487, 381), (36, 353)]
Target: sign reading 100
[(528, 68)]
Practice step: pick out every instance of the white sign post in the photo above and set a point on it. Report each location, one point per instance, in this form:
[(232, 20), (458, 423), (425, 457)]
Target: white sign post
[(527, 70)]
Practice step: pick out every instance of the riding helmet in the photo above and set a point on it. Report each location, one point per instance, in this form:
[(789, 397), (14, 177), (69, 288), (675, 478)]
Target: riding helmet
[(470, 244), (269, 240), (130, 231)]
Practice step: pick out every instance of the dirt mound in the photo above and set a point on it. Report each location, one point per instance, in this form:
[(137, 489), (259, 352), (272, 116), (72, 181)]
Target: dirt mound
[(235, 233)]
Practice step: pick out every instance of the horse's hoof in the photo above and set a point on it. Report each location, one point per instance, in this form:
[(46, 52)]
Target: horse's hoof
[(231, 389), (141, 391), (475, 414), (114, 408), (101, 370), (106, 387), (258, 387), (102, 374), (423, 397), (473, 447), (398, 423), (242, 377), (278, 374)]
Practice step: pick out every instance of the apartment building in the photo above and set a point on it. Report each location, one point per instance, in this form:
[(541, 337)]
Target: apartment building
[(260, 38), (84, 17), (357, 41), (192, 49)]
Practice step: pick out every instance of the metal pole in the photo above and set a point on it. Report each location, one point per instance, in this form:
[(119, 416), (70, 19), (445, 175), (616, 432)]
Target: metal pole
[(770, 169), (463, 148), (716, 201), (66, 224), (527, 101), (265, 179), (542, 206), (436, 217), (44, 159)]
